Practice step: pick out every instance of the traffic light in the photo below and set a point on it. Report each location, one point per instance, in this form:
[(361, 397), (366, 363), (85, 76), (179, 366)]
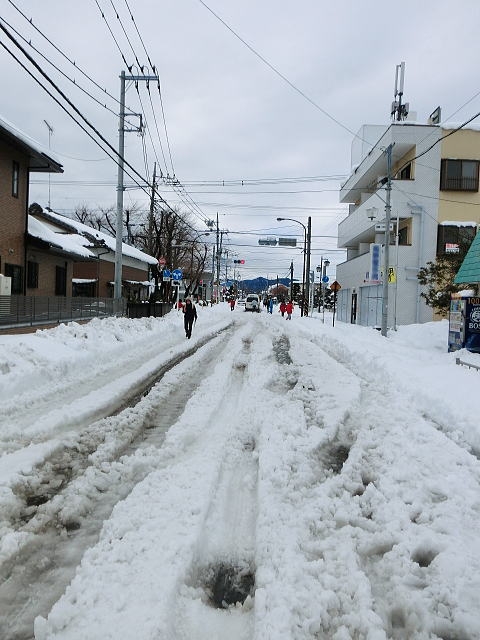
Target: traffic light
[(239, 261)]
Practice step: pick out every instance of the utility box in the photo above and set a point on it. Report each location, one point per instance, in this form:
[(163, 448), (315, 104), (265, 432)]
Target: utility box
[(464, 324), (5, 285), (5, 294)]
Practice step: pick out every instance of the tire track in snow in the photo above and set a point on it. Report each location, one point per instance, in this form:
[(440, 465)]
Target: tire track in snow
[(378, 525), (75, 493), (216, 599)]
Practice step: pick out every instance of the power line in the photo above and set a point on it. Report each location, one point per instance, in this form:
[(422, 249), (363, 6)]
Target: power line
[(63, 54), (278, 73), (116, 155)]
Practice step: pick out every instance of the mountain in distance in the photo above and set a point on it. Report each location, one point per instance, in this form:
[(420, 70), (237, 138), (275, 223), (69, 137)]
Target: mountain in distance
[(261, 284)]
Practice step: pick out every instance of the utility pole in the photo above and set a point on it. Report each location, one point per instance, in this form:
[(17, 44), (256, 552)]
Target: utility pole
[(150, 215), (291, 280), (307, 267), (218, 254), (386, 253), (117, 291)]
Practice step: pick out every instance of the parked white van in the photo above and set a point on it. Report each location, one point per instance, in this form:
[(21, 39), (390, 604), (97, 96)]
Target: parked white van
[(252, 303)]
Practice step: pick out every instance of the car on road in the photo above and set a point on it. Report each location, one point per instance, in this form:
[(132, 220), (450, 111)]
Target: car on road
[(252, 303), (241, 302)]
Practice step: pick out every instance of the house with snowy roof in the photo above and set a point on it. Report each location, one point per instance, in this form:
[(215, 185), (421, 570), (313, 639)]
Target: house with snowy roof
[(20, 155), (45, 254), (92, 253), (435, 207)]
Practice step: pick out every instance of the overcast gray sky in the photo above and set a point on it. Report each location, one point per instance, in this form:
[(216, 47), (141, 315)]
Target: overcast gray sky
[(230, 117)]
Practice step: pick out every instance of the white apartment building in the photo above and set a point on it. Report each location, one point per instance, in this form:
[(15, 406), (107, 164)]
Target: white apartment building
[(434, 202)]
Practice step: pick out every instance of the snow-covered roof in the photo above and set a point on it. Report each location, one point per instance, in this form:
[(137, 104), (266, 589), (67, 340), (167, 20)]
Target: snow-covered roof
[(41, 158), (458, 223), (71, 243), (87, 233)]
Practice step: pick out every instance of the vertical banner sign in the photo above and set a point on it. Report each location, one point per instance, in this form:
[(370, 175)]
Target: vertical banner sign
[(375, 255)]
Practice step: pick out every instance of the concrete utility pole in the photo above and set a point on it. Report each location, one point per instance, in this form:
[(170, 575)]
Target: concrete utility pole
[(386, 253), (291, 280), (307, 266), (117, 291), (150, 214)]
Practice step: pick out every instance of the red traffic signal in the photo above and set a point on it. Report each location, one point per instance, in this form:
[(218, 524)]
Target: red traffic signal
[(239, 261)]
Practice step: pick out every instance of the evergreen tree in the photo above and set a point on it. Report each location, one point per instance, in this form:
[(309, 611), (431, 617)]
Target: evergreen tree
[(438, 277)]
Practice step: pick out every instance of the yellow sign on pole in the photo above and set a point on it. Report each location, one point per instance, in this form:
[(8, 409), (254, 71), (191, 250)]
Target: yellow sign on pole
[(392, 275)]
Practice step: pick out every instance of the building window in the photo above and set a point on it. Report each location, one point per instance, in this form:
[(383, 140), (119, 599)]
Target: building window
[(15, 178), (403, 236), (15, 272), (459, 175), (60, 281), (405, 173), (32, 275), (450, 238)]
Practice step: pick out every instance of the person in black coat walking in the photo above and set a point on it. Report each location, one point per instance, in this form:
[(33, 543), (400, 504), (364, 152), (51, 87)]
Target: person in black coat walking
[(189, 316)]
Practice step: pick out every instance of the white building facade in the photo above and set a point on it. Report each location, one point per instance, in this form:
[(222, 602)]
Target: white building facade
[(434, 198)]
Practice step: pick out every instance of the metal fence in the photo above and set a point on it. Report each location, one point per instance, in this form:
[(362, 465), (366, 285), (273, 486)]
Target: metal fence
[(24, 311), (147, 309)]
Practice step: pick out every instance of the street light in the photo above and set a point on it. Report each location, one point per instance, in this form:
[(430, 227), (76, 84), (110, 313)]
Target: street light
[(323, 272), (306, 260)]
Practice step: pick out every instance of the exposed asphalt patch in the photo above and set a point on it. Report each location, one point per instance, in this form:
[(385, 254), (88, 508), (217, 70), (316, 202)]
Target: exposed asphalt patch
[(227, 584), (281, 348)]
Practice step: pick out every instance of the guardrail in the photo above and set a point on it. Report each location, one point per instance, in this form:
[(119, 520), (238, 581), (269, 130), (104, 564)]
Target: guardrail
[(467, 364), (24, 311)]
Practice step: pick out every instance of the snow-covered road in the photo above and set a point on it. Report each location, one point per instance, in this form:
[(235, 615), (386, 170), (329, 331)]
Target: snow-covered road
[(280, 480)]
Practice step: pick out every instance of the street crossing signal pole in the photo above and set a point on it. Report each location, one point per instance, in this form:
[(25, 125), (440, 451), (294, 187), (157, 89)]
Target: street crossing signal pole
[(117, 290)]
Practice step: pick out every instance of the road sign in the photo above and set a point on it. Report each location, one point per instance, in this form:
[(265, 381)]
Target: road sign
[(325, 279), (287, 242), (335, 286), (177, 274), (166, 275)]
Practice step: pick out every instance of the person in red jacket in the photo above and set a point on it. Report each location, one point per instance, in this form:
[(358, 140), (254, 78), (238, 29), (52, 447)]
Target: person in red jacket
[(283, 308), (289, 309)]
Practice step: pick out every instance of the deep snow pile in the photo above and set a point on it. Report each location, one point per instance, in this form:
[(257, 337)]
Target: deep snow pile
[(335, 471)]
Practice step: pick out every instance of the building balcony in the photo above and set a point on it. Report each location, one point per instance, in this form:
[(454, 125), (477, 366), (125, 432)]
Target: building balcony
[(359, 226)]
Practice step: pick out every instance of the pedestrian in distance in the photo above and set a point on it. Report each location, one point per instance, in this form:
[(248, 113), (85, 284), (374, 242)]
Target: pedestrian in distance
[(270, 306), (232, 304), (189, 317), (289, 309), (283, 308)]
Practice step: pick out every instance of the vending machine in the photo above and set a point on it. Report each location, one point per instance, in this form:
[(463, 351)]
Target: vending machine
[(464, 324)]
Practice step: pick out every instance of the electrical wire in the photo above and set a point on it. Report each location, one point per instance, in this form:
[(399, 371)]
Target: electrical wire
[(280, 75), (116, 156), (64, 55)]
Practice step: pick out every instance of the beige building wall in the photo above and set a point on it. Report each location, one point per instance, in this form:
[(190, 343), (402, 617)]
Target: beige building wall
[(459, 205)]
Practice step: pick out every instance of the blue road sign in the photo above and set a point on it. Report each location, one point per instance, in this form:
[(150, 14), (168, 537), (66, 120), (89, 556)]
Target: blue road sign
[(177, 274), (325, 279)]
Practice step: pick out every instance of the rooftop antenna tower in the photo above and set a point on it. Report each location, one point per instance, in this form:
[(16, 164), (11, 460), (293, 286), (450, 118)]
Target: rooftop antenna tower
[(399, 111), (50, 131)]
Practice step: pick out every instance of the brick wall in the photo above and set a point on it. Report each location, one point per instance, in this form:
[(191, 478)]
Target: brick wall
[(105, 272), (12, 209), (47, 272)]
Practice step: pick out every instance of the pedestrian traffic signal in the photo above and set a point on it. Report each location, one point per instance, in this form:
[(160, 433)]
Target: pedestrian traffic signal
[(239, 261)]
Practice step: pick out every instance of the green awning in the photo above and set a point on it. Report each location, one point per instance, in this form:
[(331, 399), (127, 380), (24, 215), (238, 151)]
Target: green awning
[(469, 272)]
